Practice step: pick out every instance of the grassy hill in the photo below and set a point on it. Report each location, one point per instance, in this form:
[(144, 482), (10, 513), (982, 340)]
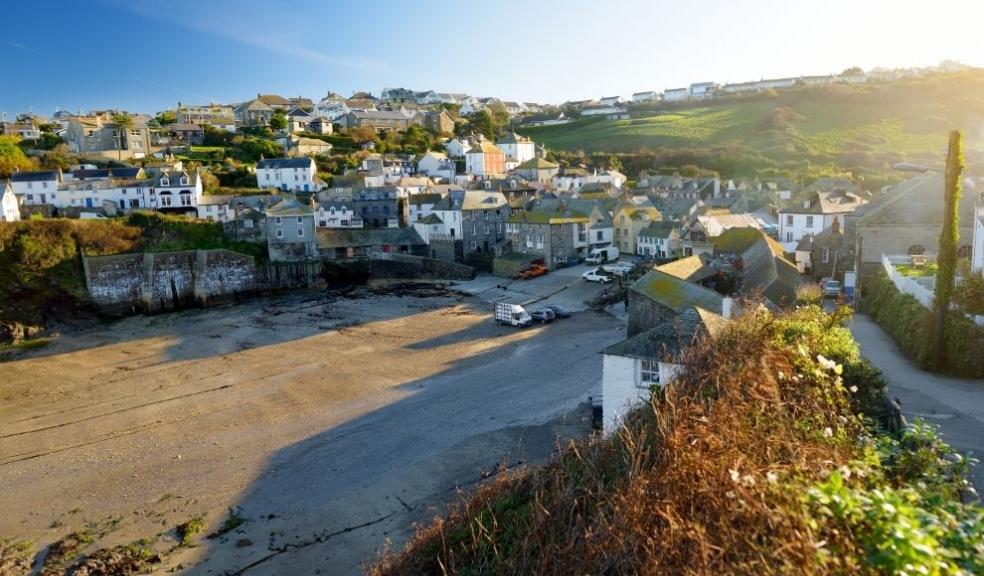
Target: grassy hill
[(858, 128)]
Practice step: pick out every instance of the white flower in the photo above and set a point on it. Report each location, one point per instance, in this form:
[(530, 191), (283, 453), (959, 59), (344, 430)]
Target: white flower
[(827, 432), (772, 477), (735, 476), (853, 389)]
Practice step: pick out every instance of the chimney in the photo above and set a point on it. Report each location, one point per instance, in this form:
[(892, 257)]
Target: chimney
[(835, 226)]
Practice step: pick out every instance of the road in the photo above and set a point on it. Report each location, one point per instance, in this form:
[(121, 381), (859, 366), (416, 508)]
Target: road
[(955, 405), (332, 424)]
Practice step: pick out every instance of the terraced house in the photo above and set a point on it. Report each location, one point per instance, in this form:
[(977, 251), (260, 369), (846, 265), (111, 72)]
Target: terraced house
[(630, 218), (552, 231), (483, 221)]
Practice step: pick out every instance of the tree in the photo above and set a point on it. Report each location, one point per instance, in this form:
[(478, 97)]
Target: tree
[(946, 259), (852, 71), (12, 158), (614, 163), (279, 120), (123, 123), (166, 117)]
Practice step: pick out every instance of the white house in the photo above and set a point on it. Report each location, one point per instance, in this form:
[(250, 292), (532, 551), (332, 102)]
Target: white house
[(436, 165), (297, 174), (457, 147), (298, 120), (336, 213), (815, 214), (653, 358), (216, 208), (977, 256), (517, 148), (601, 110), (612, 100), (648, 96), (676, 94), (422, 205), (613, 177), (9, 205), (702, 90), (660, 240), (39, 187), (570, 180)]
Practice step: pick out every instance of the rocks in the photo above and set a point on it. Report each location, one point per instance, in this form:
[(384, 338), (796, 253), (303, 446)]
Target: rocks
[(14, 332)]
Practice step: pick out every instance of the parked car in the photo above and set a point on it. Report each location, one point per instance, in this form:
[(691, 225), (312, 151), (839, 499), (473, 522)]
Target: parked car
[(543, 315), (832, 288), (534, 271), (559, 311), (597, 275), (619, 268)]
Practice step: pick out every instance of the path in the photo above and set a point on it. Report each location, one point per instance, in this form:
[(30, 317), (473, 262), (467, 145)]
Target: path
[(955, 405)]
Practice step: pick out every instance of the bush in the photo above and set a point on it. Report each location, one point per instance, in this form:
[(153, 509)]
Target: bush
[(909, 323), (752, 462)]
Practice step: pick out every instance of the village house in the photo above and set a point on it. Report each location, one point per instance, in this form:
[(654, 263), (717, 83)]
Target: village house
[(537, 170), (827, 249), (216, 208), (448, 211), (648, 96), (319, 125), (9, 205), (25, 130), (422, 205), (630, 219), (483, 218), (676, 94), (378, 120), (364, 243), (98, 135), (814, 214), (611, 177), (457, 147), (192, 134), (517, 148), (764, 268), (485, 160), (379, 207), (298, 120), (335, 212), (570, 179), (203, 114), (301, 146), (37, 187), (660, 240), (551, 231), (436, 165), (253, 113), (660, 296), (440, 122), (632, 368), (276, 102), (295, 174), (290, 231)]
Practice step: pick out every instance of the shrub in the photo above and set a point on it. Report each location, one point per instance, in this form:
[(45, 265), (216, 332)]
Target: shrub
[(909, 323)]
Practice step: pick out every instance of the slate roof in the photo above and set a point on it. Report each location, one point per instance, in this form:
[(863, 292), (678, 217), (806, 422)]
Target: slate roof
[(537, 164), (513, 138), (674, 293), (271, 163), (289, 207), (692, 269), (379, 115), (826, 202), (426, 198), (273, 100), (483, 200), (98, 173), (485, 147), (34, 176), (431, 219), (665, 341)]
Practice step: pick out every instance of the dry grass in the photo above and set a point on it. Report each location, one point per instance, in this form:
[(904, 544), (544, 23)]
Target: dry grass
[(697, 482)]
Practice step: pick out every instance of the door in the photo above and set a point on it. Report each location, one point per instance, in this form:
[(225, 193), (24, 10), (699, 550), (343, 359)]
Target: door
[(88, 202), (306, 188)]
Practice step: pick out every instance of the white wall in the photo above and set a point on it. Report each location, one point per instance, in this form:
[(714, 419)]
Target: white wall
[(802, 224), (9, 210), (297, 179), (622, 388), (977, 260)]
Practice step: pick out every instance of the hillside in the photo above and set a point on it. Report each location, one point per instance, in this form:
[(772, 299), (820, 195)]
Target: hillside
[(865, 128), (755, 461)]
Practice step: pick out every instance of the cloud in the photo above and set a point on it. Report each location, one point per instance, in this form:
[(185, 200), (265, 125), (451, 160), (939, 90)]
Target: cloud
[(244, 23), (20, 46)]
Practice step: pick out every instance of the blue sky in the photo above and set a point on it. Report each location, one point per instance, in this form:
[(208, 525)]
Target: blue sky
[(145, 55)]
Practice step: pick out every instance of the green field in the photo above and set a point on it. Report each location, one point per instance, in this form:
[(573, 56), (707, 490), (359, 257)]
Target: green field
[(867, 126)]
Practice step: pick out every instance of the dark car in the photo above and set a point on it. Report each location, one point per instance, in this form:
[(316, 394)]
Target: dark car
[(543, 315), (559, 311)]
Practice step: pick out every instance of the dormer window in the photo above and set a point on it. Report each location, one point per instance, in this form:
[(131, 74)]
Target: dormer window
[(165, 181), (184, 180)]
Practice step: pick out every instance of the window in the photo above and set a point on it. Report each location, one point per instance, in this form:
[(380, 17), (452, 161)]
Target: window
[(279, 220), (184, 180), (44, 184), (165, 199), (621, 219), (300, 232), (30, 185), (280, 233), (789, 220), (649, 372), (165, 182), (789, 236), (809, 221), (825, 255), (598, 235), (322, 223), (185, 199), (300, 219)]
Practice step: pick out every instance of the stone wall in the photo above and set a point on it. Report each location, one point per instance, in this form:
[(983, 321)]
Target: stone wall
[(408, 266), (126, 283)]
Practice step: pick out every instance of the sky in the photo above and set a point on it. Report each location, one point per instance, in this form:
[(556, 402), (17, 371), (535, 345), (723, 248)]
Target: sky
[(146, 55)]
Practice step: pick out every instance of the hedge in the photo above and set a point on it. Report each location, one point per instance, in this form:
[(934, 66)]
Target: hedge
[(911, 326)]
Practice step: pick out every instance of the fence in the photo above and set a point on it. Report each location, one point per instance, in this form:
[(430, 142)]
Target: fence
[(907, 285)]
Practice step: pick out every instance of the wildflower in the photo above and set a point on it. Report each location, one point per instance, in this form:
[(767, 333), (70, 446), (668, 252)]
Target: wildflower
[(735, 476), (853, 389), (772, 477), (827, 432)]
